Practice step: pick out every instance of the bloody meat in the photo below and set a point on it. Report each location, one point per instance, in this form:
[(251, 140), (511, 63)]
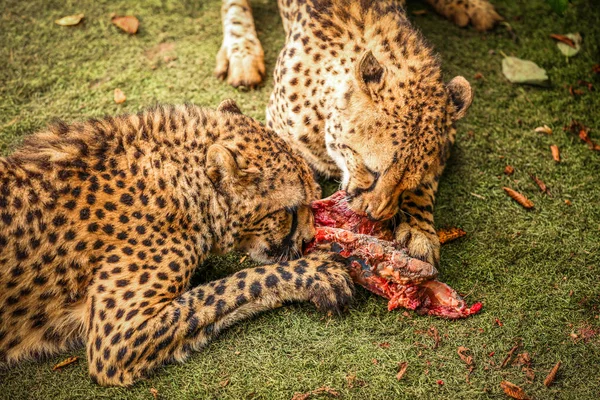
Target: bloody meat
[(380, 265)]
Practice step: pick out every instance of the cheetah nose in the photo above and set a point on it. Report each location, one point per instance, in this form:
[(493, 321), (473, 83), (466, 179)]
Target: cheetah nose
[(380, 212)]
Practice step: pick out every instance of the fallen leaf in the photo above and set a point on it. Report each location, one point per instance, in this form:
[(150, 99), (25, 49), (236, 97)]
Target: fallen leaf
[(70, 20), (478, 75), (154, 393), (498, 322), (519, 198), (440, 382), (119, 96), (65, 362), (353, 381), (523, 71), (433, 332), (551, 375), (567, 49), (128, 23), (589, 85), (540, 184), (529, 373), (243, 259), (522, 359), (577, 128), (544, 129), (384, 345), (316, 392), (508, 170), (509, 356), (402, 370), (450, 234), (224, 383), (575, 92), (555, 153), (419, 12), (374, 361), (465, 357), (513, 390), (562, 38)]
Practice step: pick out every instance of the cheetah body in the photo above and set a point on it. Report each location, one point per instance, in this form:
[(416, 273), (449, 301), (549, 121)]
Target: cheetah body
[(103, 223)]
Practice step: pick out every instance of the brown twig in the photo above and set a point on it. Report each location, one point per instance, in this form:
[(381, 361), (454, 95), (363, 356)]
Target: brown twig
[(509, 355)]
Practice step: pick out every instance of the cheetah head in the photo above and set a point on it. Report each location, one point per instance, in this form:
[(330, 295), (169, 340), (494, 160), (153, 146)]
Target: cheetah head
[(395, 126), (267, 188)]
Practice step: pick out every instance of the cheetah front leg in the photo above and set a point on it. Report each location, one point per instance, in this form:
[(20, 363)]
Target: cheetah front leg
[(133, 329), (480, 13), (416, 230), (241, 57)]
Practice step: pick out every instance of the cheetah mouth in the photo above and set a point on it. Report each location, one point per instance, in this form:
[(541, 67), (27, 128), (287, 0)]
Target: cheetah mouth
[(380, 265)]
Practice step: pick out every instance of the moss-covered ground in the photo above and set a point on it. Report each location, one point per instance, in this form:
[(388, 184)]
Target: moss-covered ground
[(537, 272)]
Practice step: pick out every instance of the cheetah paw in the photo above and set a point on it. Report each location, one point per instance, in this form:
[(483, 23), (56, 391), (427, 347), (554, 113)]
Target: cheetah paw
[(419, 243), (332, 289), (480, 13), (242, 64)]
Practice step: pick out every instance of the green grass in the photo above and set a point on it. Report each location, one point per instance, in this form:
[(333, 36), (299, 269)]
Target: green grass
[(536, 271)]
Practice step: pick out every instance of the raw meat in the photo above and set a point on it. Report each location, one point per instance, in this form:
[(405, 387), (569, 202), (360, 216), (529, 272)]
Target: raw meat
[(380, 265)]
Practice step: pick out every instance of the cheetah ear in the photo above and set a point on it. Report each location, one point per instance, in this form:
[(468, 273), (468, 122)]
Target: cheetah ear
[(230, 106), (368, 71), (222, 165), (461, 95)]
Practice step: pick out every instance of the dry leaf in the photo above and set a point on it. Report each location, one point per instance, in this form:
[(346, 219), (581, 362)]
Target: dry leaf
[(119, 96), (544, 129), (318, 391), (509, 355), (384, 345), (70, 20), (589, 85), (478, 75), (450, 234), (433, 332), (523, 359), (568, 202), (440, 382), (519, 198), (154, 393), (513, 390), (224, 383), (551, 375), (419, 12), (353, 381), (402, 370), (555, 153), (540, 184), (128, 23), (577, 128), (243, 259), (523, 71), (508, 170), (465, 357), (498, 322), (564, 39), (64, 363)]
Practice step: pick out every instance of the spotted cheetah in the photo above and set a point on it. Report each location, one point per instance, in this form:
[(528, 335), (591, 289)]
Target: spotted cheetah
[(103, 223), (359, 93)]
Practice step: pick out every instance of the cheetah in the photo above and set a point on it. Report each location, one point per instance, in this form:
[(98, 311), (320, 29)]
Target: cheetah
[(360, 94), (102, 224)]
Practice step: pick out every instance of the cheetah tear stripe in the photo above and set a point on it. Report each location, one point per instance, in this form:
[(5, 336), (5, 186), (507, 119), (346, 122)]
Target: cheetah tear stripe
[(380, 266)]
